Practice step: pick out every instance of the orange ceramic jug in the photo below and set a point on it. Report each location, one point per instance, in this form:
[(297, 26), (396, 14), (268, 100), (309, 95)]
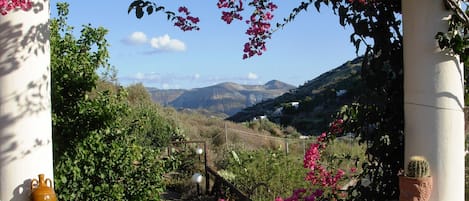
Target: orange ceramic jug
[(41, 191)]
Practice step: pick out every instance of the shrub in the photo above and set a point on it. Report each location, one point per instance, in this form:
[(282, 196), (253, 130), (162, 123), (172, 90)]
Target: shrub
[(106, 166), (279, 172)]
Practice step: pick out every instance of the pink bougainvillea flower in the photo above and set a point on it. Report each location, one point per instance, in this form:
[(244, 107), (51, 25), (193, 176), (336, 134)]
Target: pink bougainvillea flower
[(183, 9), (279, 199), (187, 23), (268, 16), (272, 6), (320, 174), (8, 5), (259, 22)]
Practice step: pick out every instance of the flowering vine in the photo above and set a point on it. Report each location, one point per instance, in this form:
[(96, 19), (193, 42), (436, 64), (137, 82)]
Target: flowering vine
[(259, 22), (234, 9), (188, 22), (184, 21), (8, 5), (259, 29), (325, 180)]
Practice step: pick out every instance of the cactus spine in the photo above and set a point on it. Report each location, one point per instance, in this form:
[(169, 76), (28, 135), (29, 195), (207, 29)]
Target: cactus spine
[(418, 167)]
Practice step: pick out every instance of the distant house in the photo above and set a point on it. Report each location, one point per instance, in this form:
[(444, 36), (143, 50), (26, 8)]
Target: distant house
[(262, 117), (303, 137), (295, 104), (340, 92), (279, 111)]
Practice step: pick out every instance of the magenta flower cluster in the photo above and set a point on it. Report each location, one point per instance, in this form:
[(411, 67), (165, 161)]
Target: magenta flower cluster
[(8, 5), (324, 182), (259, 22), (259, 29), (318, 173), (187, 23), (234, 10)]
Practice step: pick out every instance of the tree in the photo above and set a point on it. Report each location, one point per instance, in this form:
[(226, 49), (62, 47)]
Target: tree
[(138, 94), (104, 148), (73, 71)]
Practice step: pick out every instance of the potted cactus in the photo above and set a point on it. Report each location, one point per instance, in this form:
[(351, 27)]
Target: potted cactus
[(416, 183)]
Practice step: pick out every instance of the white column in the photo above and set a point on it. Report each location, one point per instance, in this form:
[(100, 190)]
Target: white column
[(25, 109), (433, 98)]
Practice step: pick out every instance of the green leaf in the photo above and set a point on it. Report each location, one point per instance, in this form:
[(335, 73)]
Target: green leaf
[(139, 12), (150, 10), (317, 4), (342, 15), (133, 5), (159, 8)]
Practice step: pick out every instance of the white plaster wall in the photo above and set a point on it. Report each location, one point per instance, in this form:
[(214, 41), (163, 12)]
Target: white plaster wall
[(25, 111), (433, 98)]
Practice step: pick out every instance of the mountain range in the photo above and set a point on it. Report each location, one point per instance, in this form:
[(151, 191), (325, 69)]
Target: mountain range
[(227, 98), (309, 108)]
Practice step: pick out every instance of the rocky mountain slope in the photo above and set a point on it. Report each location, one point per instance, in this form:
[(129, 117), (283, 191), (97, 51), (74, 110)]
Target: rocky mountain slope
[(228, 98)]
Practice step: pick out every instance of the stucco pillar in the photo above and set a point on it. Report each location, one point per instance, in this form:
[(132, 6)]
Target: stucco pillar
[(25, 109), (433, 98)]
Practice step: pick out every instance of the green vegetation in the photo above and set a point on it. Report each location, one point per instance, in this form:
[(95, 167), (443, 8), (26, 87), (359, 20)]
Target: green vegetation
[(280, 172), (272, 128), (107, 139)]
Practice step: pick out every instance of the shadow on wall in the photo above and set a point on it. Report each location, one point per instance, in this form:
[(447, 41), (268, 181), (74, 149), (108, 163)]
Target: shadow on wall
[(23, 191), (34, 41), (16, 47)]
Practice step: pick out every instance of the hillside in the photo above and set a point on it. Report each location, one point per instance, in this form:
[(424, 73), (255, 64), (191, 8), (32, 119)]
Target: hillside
[(164, 96), (309, 108), (227, 98)]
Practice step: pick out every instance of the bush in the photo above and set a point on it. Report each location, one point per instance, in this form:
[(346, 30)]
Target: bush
[(279, 172), (107, 166), (148, 123)]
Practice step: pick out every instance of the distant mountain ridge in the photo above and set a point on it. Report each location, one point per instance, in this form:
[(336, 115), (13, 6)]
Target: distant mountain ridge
[(227, 97)]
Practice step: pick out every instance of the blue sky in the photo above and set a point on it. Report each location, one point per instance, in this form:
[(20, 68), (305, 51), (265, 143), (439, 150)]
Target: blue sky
[(152, 51)]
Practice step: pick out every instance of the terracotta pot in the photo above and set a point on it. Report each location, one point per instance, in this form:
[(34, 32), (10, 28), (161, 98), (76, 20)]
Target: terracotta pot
[(41, 191), (415, 189)]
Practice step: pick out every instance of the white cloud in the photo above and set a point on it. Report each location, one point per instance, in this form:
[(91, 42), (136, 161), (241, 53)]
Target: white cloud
[(252, 76), (196, 76), (136, 38), (166, 43), (158, 44), (166, 86), (144, 76), (139, 76)]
